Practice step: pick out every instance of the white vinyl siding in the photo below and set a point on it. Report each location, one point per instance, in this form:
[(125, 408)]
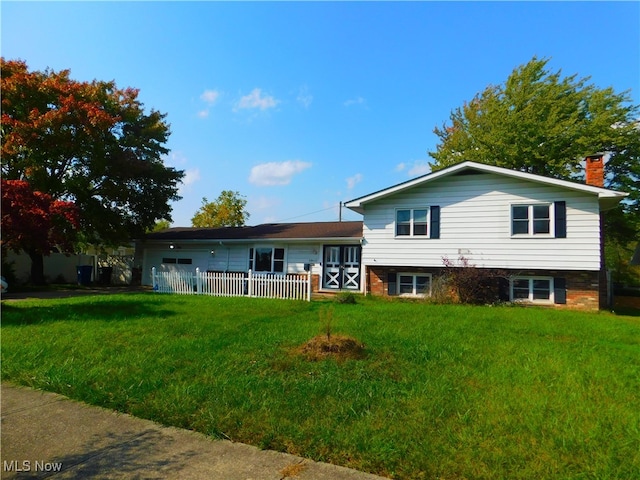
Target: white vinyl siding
[(475, 221), (174, 260), (230, 257)]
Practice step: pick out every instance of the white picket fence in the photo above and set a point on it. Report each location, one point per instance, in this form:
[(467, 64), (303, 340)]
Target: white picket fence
[(233, 284)]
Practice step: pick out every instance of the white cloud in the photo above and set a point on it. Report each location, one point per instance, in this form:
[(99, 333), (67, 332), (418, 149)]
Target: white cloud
[(191, 176), (178, 161), (256, 100), (276, 173), (352, 181), (415, 168), (175, 159), (210, 96), (420, 167), (355, 101), (304, 98)]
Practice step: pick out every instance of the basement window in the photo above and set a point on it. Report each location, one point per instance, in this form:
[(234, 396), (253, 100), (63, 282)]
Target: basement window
[(532, 289), (410, 284)]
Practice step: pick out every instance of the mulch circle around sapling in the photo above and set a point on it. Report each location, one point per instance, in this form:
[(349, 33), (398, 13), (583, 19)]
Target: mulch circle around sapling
[(338, 347)]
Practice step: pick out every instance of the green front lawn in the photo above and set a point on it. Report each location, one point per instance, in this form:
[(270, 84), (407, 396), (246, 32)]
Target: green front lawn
[(444, 392)]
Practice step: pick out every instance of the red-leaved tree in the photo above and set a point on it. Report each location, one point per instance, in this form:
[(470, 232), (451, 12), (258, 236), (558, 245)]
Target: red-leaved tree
[(91, 143), (36, 223)]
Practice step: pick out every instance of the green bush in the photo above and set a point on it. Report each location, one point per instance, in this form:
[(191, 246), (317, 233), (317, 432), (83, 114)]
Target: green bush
[(470, 284), (348, 298)]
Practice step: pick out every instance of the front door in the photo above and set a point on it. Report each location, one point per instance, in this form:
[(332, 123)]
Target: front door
[(341, 269)]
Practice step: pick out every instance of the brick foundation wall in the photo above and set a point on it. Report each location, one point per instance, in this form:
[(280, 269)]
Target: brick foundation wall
[(315, 282), (376, 281), (583, 288)]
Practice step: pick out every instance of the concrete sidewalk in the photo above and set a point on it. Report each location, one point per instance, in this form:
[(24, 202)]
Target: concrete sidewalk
[(45, 435)]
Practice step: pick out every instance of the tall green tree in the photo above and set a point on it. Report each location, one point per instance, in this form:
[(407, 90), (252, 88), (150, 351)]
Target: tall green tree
[(89, 143), (159, 226), (542, 122), (228, 210)]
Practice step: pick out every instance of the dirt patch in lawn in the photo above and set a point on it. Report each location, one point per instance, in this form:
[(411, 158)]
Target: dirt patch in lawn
[(335, 346)]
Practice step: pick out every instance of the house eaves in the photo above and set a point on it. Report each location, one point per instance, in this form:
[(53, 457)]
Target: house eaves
[(282, 232), (607, 198)]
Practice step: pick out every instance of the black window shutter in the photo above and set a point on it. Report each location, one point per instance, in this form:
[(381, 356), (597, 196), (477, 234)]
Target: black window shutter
[(504, 293), (560, 290), (435, 222), (392, 288), (561, 219)]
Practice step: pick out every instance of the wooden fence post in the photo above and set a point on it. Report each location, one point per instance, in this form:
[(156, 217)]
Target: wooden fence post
[(250, 286), (309, 285), (154, 280)]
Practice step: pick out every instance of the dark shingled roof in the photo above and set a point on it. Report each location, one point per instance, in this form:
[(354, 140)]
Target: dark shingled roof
[(264, 232)]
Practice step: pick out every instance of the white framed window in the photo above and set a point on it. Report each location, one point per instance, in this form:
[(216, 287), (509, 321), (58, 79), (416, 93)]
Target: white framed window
[(179, 261), (414, 284), (412, 222), (532, 220), (532, 289), (266, 259)]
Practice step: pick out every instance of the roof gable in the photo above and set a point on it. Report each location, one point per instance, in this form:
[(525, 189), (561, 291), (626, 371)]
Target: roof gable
[(608, 198)]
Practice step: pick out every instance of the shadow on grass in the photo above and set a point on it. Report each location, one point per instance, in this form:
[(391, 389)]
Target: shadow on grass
[(627, 311), (102, 311)]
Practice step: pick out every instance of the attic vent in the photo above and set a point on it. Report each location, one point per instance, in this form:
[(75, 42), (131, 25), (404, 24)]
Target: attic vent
[(469, 171)]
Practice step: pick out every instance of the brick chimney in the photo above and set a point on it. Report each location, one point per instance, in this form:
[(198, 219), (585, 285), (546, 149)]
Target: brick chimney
[(594, 170)]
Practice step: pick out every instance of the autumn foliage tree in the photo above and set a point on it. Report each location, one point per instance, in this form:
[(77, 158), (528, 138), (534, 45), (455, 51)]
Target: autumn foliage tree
[(89, 143), (228, 210), (36, 223)]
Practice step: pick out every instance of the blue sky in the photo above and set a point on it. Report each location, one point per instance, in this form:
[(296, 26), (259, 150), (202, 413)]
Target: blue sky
[(300, 105)]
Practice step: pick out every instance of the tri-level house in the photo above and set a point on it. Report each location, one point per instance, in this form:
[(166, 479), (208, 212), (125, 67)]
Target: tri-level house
[(544, 235)]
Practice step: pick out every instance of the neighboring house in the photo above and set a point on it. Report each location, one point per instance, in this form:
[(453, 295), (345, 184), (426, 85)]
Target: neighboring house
[(58, 267), (331, 250), (544, 234)]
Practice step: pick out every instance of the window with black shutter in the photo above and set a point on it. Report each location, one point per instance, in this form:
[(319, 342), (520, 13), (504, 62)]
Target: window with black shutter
[(418, 222), (560, 214), (435, 221), (560, 290), (392, 283)]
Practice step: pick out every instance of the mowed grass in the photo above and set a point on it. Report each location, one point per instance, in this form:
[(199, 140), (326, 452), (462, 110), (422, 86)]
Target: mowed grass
[(446, 392)]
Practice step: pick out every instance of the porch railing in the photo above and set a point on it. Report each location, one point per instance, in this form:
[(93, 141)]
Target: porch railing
[(233, 284)]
